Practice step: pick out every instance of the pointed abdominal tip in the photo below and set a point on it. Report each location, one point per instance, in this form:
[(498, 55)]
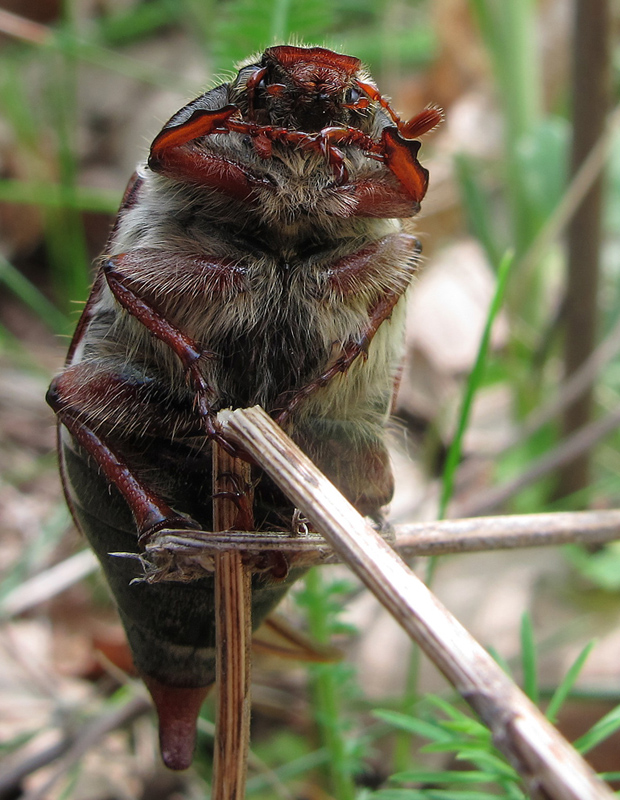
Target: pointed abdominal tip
[(177, 710)]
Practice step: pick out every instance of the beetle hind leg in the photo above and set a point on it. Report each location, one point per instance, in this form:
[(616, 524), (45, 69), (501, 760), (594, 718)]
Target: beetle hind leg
[(151, 513)]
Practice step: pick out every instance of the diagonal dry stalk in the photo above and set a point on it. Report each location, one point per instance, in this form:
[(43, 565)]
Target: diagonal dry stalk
[(233, 636), (548, 765)]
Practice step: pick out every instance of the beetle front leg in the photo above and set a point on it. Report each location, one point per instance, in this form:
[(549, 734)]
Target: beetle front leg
[(401, 157), (171, 156), (399, 192)]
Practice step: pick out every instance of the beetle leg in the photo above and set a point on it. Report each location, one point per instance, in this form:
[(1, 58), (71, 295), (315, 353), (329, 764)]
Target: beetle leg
[(344, 276), (401, 157), (378, 197), (382, 196), (203, 122), (352, 349), (169, 156), (150, 512), (244, 520), (375, 95), (187, 350)]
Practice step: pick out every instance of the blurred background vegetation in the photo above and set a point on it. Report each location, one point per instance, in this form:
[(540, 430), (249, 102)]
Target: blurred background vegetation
[(524, 208)]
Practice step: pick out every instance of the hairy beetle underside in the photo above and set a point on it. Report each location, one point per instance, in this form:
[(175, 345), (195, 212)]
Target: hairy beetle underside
[(257, 257)]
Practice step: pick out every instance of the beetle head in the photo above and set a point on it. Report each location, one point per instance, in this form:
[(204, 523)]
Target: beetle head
[(307, 88)]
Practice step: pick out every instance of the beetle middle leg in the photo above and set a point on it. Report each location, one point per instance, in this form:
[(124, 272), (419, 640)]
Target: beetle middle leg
[(345, 277), (189, 352), (173, 154)]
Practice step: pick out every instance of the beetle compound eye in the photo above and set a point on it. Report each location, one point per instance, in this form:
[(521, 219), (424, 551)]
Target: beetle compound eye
[(354, 98)]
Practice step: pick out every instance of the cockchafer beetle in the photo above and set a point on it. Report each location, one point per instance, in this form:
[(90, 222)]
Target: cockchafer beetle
[(257, 257)]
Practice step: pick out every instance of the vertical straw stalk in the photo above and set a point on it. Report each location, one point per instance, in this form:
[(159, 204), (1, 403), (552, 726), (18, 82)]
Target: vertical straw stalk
[(233, 638)]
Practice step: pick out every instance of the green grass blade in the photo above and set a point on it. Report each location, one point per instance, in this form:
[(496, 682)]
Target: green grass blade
[(419, 727), (138, 22), (448, 708), (432, 794), (473, 383), (53, 195), (529, 659), (508, 30), (22, 288), (444, 776), (604, 728), (293, 769), (476, 207), (280, 20), (500, 660), (327, 690), (561, 693), (488, 761)]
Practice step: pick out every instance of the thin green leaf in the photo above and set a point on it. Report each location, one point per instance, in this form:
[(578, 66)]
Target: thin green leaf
[(529, 659), (292, 769), (470, 727), (474, 381), (486, 760), (561, 693), (420, 727), (446, 706), (280, 20), (499, 659), (141, 20), (28, 293), (602, 730), (512, 790), (456, 745), (53, 195), (327, 692), (476, 206), (432, 794), (444, 776)]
